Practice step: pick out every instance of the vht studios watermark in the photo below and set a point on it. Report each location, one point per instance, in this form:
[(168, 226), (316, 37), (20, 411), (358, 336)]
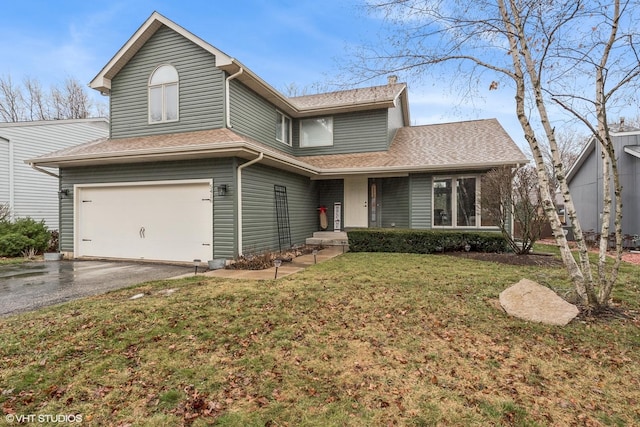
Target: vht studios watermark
[(43, 418)]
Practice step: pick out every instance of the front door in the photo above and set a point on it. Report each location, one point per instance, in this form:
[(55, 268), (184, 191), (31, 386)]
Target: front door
[(374, 203), (356, 202)]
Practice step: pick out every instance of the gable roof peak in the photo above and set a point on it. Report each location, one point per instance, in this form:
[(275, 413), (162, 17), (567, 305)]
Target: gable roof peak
[(102, 81)]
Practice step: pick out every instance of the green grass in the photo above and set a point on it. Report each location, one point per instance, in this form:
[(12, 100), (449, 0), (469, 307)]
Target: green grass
[(16, 260), (363, 339)]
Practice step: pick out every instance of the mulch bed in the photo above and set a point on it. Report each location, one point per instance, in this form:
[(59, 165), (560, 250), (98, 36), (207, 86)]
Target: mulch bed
[(540, 260)]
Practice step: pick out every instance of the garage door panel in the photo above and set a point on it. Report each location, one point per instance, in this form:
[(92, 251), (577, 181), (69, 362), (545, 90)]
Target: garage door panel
[(162, 222)]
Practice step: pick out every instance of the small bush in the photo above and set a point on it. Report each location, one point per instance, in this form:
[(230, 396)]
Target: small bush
[(424, 241), (5, 212), (54, 241), (24, 234)]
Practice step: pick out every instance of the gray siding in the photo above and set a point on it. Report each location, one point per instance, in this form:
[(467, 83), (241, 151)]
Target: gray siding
[(252, 116), (35, 193), (4, 171), (259, 211), (352, 133), (395, 202), (220, 170), (201, 88), (420, 204), (586, 188), (329, 193), (629, 170)]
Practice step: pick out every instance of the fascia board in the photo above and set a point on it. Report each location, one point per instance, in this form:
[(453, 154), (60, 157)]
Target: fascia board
[(243, 150), (582, 157), (412, 169), (634, 150)]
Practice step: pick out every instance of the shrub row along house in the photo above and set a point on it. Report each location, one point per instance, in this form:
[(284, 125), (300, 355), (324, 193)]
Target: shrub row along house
[(206, 160)]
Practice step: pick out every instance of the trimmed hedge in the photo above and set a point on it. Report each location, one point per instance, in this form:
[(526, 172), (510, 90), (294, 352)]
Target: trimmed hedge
[(423, 241)]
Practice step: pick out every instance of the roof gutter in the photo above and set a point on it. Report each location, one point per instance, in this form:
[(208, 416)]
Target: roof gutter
[(324, 173), (239, 192), (227, 95), (44, 171)]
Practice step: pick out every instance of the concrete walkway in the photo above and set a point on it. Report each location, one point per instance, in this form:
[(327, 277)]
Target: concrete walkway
[(287, 268)]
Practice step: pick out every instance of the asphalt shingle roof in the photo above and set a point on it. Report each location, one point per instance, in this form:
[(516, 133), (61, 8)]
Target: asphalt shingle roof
[(469, 144), (448, 145), (365, 95)]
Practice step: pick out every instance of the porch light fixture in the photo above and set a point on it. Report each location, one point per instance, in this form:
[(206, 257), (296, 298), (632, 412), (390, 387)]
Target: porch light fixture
[(222, 189), (277, 263), (63, 193)]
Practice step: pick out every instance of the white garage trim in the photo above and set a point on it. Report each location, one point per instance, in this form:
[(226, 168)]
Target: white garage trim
[(149, 220)]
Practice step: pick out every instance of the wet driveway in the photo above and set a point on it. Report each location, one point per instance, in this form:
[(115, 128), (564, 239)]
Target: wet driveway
[(28, 286)]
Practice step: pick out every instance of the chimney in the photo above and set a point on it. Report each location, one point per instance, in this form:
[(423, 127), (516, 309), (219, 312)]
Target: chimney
[(392, 79)]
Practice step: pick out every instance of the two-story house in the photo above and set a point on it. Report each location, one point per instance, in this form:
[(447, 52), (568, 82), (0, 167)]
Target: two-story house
[(206, 160)]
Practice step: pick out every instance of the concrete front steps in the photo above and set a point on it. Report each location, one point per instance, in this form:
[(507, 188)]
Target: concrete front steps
[(328, 238)]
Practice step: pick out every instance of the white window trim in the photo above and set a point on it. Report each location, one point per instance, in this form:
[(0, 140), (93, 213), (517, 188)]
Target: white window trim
[(162, 86), (280, 138), (316, 145), (454, 203)]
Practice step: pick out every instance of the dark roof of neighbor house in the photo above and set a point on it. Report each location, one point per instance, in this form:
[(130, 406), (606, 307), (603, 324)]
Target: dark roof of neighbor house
[(461, 145)]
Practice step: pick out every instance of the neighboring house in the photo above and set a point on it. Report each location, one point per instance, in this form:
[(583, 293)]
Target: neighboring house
[(585, 183), (206, 160), (27, 192)]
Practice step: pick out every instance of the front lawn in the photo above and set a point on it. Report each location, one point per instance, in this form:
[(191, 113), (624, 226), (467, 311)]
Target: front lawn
[(363, 339)]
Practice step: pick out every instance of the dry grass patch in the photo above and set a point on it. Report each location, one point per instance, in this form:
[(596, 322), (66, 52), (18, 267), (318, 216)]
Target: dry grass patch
[(364, 339)]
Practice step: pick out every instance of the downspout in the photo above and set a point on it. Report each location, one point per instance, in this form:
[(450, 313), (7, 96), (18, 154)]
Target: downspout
[(239, 185), (228, 97)]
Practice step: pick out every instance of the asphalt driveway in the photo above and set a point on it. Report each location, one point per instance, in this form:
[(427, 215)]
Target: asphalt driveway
[(29, 286)]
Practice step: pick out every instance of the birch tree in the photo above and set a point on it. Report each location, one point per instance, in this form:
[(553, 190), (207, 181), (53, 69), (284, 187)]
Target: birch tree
[(555, 56)]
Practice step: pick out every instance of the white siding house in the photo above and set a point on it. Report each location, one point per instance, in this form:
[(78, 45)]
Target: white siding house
[(30, 193)]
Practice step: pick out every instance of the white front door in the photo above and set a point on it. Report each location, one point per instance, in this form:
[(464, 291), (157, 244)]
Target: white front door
[(356, 202), (169, 221)]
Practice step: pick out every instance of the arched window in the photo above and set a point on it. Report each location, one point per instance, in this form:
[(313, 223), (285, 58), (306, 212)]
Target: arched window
[(163, 94)]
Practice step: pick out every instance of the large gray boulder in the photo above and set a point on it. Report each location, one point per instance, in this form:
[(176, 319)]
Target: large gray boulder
[(531, 301)]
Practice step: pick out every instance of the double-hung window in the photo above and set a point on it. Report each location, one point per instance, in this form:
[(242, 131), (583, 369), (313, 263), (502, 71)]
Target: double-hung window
[(163, 95), (283, 128)]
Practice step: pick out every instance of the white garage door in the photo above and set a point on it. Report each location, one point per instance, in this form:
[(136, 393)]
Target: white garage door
[(159, 221)]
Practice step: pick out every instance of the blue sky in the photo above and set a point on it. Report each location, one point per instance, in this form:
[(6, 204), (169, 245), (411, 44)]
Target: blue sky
[(284, 42)]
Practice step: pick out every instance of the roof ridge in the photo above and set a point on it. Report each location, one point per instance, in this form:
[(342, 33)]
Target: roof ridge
[(333, 92), (451, 123)]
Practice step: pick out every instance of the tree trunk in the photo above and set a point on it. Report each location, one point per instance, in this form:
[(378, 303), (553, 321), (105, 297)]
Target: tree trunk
[(517, 41)]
